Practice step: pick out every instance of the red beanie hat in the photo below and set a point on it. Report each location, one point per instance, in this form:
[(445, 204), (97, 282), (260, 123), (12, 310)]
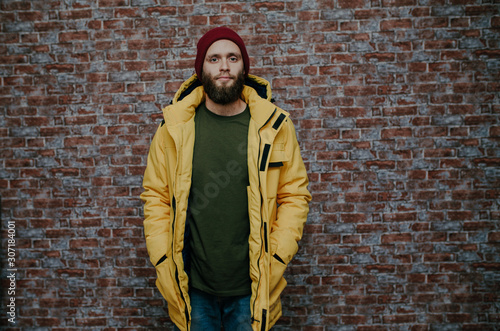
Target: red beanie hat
[(212, 36)]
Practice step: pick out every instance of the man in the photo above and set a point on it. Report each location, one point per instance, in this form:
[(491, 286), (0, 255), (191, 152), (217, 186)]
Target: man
[(225, 195)]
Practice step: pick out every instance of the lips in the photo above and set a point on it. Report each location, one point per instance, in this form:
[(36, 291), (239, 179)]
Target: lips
[(225, 78)]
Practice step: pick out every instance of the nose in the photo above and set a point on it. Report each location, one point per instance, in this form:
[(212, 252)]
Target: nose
[(224, 66)]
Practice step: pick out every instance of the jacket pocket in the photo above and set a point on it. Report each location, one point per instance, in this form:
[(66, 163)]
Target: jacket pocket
[(168, 289), (163, 258), (165, 284), (276, 280), (276, 162), (278, 156)]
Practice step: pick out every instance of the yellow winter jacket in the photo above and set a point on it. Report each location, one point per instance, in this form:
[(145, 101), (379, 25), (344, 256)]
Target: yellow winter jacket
[(277, 199)]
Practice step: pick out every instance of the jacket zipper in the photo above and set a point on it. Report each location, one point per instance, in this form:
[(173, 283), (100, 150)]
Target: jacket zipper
[(263, 223), (177, 280), (176, 267)]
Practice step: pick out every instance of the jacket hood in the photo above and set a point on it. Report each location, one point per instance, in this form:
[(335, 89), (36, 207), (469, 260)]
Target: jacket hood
[(260, 85), (256, 93)]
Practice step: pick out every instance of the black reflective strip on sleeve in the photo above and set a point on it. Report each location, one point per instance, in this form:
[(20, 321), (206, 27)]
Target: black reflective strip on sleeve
[(280, 119), (265, 155)]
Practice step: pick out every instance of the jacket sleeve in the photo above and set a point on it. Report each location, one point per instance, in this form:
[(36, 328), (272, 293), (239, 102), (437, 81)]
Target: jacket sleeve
[(292, 199), (157, 200)]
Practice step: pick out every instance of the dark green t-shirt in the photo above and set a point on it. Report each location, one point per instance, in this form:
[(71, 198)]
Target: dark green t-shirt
[(218, 205)]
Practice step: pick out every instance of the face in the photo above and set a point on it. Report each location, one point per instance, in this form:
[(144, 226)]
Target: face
[(223, 74)]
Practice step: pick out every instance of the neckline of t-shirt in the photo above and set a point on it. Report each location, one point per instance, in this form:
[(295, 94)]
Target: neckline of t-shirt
[(223, 117)]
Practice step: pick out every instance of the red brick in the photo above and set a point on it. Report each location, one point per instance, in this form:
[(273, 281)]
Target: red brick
[(400, 319), (143, 44), (400, 237), (79, 243), (290, 60), (395, 24), (90, 322), (381, 164), (42, 100), (398, 3), (270, 6), (351, 3), (73, 36), (75, 14), (54, 303), (359, 90), (78, 141), (400, 132), (494, 236)]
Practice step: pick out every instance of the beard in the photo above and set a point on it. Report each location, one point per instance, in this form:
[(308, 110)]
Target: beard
[(223, 95)]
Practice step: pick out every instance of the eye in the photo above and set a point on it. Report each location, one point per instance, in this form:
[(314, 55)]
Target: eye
[(233, 59)]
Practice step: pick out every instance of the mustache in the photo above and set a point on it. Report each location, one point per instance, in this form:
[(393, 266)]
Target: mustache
[(222, 75)]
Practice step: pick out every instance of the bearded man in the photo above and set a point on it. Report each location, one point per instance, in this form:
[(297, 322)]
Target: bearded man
[(225, 192)]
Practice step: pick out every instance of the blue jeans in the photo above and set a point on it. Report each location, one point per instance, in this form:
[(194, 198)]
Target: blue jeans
[(210, 312)]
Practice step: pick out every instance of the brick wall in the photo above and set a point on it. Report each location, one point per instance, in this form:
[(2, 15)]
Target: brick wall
[(396, 106)]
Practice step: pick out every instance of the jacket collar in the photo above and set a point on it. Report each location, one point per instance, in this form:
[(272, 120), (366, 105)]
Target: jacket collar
[(256, 93)]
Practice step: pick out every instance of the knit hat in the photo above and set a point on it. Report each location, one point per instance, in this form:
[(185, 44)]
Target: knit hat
[(212, 36)]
